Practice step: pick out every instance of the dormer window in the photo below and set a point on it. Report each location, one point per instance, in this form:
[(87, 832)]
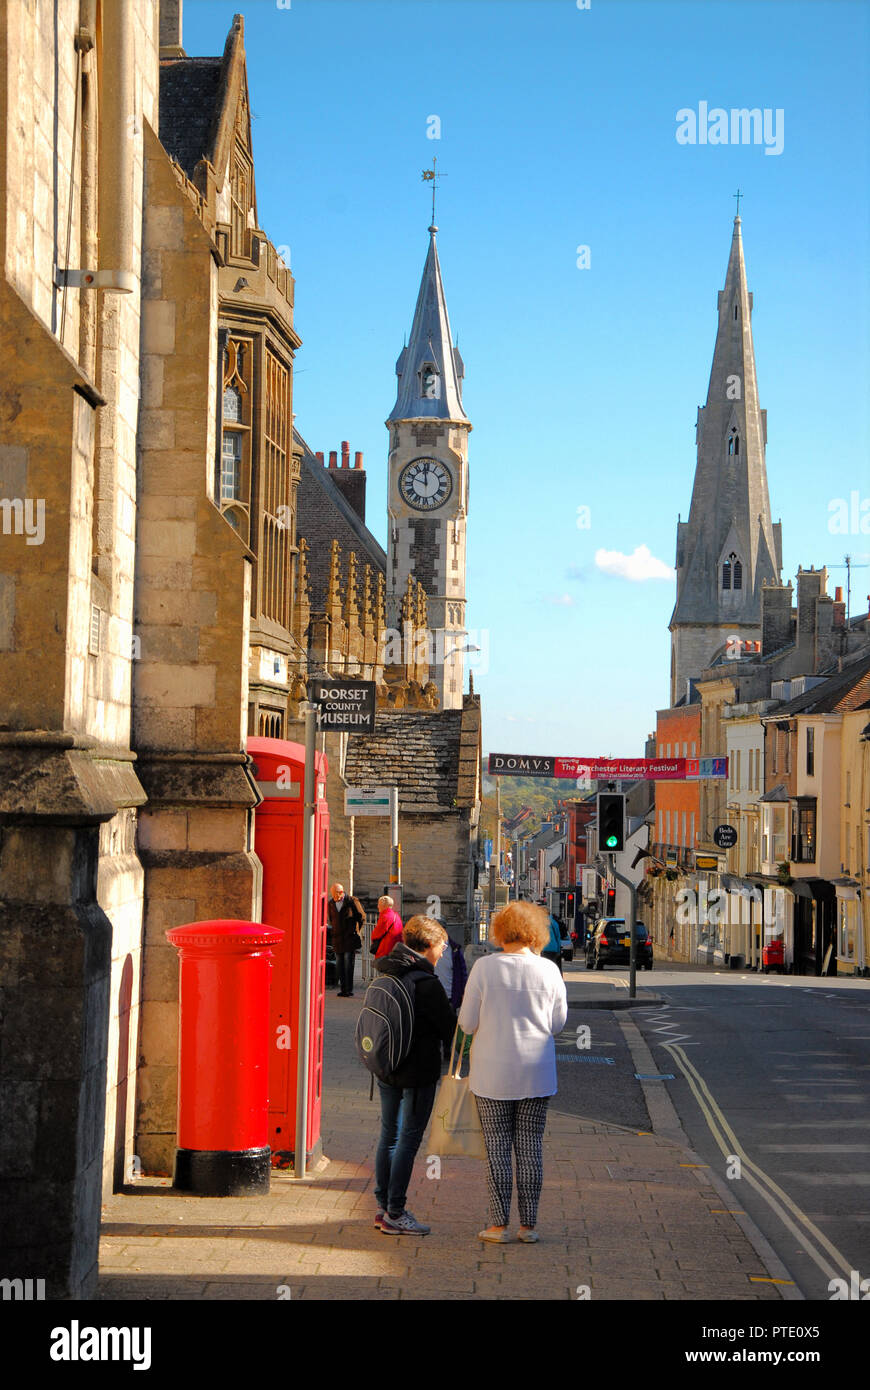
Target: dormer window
[(732, 573), (734, 442), (430, 382)]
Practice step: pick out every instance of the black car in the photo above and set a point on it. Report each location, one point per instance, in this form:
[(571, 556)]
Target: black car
[(611, 945)]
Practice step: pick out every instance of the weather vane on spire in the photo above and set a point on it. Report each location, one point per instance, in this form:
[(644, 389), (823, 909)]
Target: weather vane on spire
[(738, 195), (433, 175)]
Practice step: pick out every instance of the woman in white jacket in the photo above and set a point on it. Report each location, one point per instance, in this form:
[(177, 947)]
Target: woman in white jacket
[(514, 1004)]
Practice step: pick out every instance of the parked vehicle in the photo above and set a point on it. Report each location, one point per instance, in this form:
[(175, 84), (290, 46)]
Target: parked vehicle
[(611, 945), (567, 942), (773, 956)]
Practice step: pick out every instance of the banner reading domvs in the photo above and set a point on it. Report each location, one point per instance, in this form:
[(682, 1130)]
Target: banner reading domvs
[(345, 706)]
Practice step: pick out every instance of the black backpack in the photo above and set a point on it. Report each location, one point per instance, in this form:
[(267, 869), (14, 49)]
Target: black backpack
[(386, 1023)]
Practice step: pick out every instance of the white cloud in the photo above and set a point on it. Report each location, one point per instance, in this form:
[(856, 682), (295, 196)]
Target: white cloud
[(561, 600), (640, 566)]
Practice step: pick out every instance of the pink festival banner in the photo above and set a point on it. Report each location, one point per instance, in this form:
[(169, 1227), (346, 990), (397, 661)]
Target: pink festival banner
[(639, 769)]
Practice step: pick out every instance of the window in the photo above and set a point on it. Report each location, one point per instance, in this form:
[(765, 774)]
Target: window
[(779, 837), (683, 840), (803, 831), (811, 750), (231, 466), (274, 577), (236, 429), (667, 827), (737, 782), (240, 202), (271, 724), (734, 442), (738, 573), (430, 382), (692, 829)]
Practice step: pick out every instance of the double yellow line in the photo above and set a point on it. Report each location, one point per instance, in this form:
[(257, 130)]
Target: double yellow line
[(779, 1202)]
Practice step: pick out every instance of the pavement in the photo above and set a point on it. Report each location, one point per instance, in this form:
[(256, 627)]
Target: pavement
[(625, 1214)]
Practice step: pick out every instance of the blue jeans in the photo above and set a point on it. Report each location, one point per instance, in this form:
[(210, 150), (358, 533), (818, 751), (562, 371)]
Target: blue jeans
[(404, 1116)]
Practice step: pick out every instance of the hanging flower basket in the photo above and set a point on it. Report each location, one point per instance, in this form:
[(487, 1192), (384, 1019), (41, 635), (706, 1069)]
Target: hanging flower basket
[(783, 872), (672, 874)]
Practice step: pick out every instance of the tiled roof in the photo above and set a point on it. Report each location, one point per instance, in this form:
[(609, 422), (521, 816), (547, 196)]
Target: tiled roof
[(845, 690), (189, 90), (416, 751)]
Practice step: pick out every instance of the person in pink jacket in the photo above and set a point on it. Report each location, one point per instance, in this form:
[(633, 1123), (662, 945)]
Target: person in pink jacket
[(387, 929)]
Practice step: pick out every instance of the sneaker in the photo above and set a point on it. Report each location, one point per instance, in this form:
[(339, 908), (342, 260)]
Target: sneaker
[(379, 1218), (404, 1225)]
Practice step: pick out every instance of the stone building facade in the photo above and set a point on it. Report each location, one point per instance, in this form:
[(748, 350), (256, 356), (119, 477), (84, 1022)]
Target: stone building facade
[(156, 594), (79, 90)]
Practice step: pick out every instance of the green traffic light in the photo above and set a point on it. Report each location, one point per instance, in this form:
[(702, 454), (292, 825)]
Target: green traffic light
[(611, 841)]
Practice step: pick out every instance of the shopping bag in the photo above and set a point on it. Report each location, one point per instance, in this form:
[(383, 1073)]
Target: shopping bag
[(456, 1131)]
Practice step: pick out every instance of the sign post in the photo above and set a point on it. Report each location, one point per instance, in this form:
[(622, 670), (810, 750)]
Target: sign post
[(311, 713), (632, 951)]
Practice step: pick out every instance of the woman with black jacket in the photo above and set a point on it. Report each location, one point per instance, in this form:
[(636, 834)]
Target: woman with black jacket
[(407, 1098)]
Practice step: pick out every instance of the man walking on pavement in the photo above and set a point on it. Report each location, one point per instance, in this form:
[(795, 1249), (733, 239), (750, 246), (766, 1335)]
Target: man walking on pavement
[(346, 918)]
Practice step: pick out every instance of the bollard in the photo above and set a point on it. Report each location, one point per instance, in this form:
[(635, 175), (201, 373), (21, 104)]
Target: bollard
[(223, 1057)]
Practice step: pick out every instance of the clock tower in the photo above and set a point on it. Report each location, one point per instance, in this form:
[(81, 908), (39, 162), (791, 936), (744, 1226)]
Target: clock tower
[(428, 483)]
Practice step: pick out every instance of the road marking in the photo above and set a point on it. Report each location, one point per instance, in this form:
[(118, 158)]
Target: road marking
[(765, 1279), (837, 1179), (815, 1148), (818, 1124), (832, 1100), (788, 1211)]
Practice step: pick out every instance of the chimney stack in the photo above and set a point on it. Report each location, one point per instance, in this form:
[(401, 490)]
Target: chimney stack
[(776, 617), (319, 455), (170, 29), (351, 482)]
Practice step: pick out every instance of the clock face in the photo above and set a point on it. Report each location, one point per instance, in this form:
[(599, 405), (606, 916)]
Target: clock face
[(425, 484)]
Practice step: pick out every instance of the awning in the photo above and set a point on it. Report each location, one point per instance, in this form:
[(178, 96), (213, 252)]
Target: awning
[(733, 884), (820, 889)]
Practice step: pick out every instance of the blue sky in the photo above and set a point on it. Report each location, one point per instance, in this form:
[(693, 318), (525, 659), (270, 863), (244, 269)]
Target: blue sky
[(558, 130)]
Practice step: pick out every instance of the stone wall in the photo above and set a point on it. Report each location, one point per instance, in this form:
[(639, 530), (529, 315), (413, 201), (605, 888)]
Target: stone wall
[(436, 862), (192, 624)]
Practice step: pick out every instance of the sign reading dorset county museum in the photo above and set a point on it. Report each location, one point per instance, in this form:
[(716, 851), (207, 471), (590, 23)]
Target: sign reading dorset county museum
[(345, 706)]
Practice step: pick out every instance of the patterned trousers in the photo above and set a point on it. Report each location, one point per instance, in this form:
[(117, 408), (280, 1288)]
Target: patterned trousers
[(518, 1126)]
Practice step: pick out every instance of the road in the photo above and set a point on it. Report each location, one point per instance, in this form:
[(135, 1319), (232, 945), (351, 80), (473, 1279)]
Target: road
[(772, 1087)]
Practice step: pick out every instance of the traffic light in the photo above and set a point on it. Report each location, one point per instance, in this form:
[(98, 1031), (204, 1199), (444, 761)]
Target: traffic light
[(611, 822), (610, 909)]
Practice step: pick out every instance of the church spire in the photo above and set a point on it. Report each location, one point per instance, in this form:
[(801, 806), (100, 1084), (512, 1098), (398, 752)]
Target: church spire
[(729, 547), (430, 369)]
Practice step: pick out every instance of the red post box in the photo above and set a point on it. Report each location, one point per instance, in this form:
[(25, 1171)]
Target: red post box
[(223, 1057), (279, 768)]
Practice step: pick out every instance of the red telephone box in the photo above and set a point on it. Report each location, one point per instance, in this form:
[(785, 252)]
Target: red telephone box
[(279, 768)]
